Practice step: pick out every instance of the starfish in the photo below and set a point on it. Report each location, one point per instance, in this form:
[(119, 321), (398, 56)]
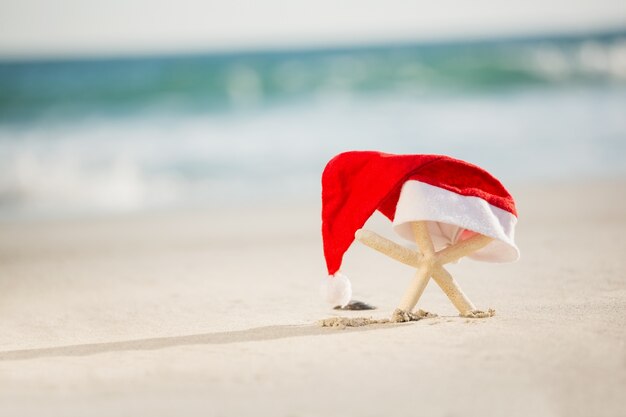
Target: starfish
[(428, 264)]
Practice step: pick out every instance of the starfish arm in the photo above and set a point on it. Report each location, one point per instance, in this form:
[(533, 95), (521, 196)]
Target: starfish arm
[(460, 249), (388, 247), (450, 287)]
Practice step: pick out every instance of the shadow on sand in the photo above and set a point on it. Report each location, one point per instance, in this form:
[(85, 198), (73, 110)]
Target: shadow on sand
[(257, 334)]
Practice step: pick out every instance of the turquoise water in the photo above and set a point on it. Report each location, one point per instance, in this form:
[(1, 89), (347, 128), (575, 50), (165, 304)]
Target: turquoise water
[(151, 132)]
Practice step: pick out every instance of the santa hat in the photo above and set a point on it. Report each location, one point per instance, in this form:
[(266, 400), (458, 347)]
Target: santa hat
[(455, 198)]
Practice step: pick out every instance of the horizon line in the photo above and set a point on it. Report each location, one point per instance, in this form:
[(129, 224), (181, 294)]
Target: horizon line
[(321, 47)]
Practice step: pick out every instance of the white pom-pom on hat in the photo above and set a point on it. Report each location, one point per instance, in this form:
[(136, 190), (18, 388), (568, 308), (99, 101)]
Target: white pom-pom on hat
[(336, 289)]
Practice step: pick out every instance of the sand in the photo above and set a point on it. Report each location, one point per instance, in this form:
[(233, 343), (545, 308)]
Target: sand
[(479, 314), (398, 316), (215, 313)]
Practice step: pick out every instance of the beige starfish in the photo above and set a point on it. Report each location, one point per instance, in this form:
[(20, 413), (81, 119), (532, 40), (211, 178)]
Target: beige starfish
[(429, 264)]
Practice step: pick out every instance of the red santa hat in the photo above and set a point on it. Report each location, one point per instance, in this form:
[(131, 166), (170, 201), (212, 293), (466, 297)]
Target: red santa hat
[(455, 198)]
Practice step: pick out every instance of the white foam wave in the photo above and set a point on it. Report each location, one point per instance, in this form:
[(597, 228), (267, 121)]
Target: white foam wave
[(134, 164)]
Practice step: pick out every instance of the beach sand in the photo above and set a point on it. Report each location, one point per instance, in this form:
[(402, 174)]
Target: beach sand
[(214, 313)]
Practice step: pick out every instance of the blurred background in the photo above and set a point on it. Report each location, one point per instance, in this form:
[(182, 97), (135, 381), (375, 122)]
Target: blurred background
[(125, 106)]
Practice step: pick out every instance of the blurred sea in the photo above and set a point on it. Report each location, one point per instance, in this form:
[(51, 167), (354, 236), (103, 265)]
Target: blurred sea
[(99, 135)]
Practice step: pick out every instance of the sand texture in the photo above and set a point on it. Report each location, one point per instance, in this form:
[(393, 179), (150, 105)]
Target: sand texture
[(398, 316), (479, 314), (343, 322), (217, 313)]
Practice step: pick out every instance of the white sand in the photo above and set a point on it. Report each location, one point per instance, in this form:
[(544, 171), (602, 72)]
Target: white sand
[(214, 314)]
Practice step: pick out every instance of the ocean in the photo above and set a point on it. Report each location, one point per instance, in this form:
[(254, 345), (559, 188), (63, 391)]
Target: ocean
[(128, 134)]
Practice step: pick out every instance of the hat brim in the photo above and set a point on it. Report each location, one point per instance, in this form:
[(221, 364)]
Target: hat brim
[(449, 215)]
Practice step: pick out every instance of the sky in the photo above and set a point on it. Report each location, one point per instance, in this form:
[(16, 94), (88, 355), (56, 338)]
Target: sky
[(44, 28)]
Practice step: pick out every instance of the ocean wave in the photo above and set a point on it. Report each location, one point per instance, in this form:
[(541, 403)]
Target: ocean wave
[(277, 153), (218, 83)]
